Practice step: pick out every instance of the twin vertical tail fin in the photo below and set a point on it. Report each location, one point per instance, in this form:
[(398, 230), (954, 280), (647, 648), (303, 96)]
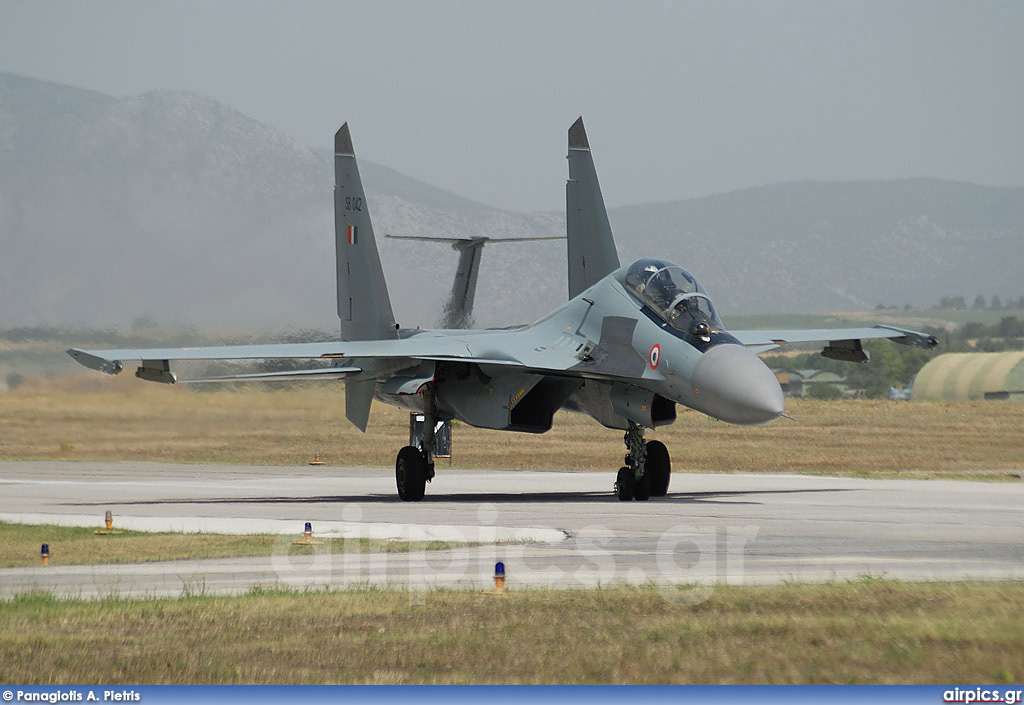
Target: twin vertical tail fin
[(364, 306), (591, 246)]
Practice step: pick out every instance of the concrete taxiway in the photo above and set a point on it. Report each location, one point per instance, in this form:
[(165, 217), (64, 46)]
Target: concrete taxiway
[(559, 529)]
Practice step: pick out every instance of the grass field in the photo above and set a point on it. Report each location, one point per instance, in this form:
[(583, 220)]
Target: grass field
[(868, 632), (20, 544), (102, 418), (871, 631)]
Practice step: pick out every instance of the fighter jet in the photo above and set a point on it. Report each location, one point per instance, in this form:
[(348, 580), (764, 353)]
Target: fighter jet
[(632, 342)]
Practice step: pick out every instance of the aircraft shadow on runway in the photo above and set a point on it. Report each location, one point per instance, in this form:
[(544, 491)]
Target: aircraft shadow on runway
[(719, 497)]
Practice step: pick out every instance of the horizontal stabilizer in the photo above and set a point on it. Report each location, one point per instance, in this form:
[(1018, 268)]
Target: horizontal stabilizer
[(454, 240), (458, 312)]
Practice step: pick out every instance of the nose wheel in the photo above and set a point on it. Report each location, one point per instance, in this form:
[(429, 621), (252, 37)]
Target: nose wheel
[(648, 468)]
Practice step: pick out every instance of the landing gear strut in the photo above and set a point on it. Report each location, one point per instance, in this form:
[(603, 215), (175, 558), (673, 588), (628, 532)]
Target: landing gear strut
[(648, 467), (414, 467)]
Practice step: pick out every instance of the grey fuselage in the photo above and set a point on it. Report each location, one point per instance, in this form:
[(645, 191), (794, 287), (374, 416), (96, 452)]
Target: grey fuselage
[(622, 361)]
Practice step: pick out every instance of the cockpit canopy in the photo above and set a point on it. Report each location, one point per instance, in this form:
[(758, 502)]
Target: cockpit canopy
[(672, 293)]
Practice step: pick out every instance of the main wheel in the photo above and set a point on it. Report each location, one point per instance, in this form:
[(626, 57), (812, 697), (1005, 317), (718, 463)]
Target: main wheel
[(658, 468), (642, 488), (410, 474), (624, 483)]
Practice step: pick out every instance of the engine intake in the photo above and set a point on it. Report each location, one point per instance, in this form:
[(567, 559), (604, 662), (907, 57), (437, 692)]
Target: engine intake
[(642, 406)]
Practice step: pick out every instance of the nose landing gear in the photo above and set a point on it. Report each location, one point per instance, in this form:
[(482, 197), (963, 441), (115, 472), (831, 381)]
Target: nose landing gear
[(648, 468)]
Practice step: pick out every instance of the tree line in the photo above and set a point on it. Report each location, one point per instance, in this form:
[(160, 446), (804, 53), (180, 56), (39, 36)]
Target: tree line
[(897, 365), (959, 303)]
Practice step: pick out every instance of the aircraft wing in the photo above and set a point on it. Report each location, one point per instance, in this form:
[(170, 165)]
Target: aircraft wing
[(155, 362), (841, 343)]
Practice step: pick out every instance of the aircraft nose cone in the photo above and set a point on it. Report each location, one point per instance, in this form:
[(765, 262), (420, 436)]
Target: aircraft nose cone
[(732, 384)]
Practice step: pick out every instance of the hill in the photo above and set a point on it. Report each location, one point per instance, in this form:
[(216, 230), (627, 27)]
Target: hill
[(176, 208), (827, 246)]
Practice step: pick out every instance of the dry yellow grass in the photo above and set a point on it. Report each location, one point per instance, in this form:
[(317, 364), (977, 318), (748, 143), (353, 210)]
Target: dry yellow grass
[(871, 632), (100, 418)]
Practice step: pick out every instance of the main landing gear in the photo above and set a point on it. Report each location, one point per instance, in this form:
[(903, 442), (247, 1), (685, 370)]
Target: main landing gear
[(646, 473), (414, 467), (648, 468)]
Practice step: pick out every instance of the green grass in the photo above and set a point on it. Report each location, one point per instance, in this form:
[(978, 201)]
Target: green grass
[(868, 631), (20, 545)]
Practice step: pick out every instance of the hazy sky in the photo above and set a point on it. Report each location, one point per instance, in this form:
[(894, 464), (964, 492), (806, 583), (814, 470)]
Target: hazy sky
[(680, 98)]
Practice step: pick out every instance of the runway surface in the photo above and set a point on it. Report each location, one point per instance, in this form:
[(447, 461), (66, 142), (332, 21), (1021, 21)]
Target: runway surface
[(567, 527)]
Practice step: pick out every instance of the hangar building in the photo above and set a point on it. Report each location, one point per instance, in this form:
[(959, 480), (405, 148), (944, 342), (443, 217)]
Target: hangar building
[(963, 376)]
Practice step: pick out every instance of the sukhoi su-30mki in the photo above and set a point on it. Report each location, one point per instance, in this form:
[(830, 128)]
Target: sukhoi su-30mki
[(632, 342)]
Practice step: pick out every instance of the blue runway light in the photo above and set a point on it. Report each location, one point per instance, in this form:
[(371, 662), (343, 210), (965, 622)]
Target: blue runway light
[(307, 539), (499, 578)]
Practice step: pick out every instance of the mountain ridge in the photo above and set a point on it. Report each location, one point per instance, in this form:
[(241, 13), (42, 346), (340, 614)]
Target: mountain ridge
[(175, 207)]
